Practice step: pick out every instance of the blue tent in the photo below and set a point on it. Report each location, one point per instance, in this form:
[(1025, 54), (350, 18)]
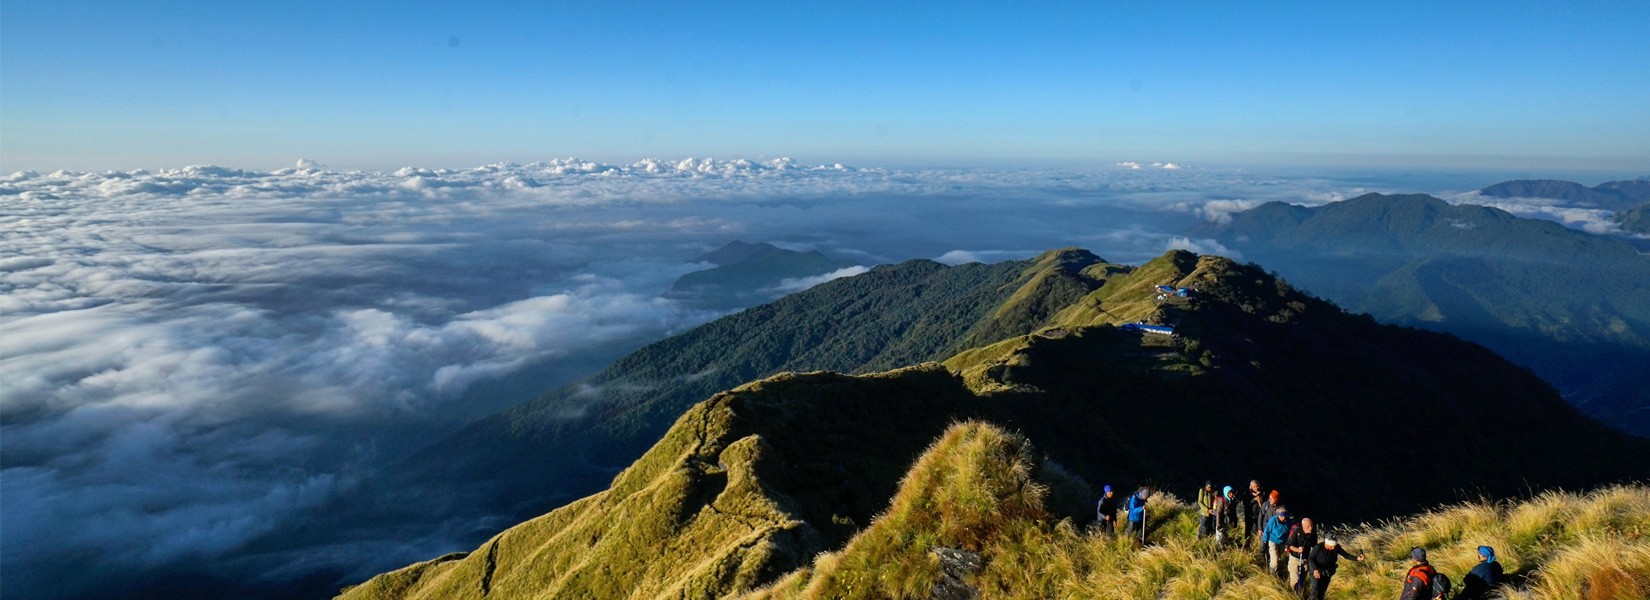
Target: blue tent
[(1174, 291), (1148, 328)]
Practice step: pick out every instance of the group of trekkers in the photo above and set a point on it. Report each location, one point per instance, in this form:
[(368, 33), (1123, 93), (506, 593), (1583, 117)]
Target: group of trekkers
[(1289, 548)]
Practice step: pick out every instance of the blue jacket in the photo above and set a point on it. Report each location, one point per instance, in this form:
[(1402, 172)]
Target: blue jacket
[(1277, 531), (1478, 583), (1136, 508)]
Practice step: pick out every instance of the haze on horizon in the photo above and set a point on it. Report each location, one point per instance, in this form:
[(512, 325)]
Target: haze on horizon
[(98, 85)]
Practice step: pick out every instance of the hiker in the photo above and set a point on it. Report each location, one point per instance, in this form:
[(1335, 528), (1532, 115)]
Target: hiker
[(1106, 512), (1206, 510), (1226, 510), (1136, 507), (1252, 519), (1422, 581), (1322, 562), (1303, 537), (1483, 579), (1275, 536), (1263, 519)]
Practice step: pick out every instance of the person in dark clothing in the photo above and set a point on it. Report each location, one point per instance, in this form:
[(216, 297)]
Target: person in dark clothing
[(1322, 563), (1206, 510), (1418, 582), (1481, 582), (1303, 537), (1226, 511), (1136, 507), (1106, 512), (1252, 519)]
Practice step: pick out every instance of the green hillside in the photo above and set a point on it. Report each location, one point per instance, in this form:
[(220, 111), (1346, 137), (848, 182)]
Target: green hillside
[(1571, 305), (1355, 420), (580, 435)]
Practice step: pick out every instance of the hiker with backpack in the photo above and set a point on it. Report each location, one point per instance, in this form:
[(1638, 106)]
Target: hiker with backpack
[(1226, 511), (1263, 519), (1483, 579), (1303, 537), (1106, 512), (1136, 507), (1423, 582), (1322, 562), (1275, 536), (1206, 510)]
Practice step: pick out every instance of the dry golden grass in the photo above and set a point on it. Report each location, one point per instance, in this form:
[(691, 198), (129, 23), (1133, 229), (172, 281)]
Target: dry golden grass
[(1557, 546), (1562, 545)]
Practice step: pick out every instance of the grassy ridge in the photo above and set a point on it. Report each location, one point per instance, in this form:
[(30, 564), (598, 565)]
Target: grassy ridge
[(578, 436), (1261, 382), (745, 486), (974, 490), (977, 488)]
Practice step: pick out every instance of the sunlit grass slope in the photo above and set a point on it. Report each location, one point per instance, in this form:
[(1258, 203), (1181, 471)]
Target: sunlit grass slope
[(744, 487), (975, 491), (977, 488)]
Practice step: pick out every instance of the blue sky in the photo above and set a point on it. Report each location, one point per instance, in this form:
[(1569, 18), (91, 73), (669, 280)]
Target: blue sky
[(93, 85)]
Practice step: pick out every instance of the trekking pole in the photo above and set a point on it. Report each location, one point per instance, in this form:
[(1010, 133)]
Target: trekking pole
[(1143, 526)]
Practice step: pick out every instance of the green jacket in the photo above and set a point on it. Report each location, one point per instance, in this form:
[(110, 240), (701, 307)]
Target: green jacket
[(1206, 500)]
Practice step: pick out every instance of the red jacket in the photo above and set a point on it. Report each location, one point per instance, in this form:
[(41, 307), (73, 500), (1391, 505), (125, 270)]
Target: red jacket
[(1418, 583)]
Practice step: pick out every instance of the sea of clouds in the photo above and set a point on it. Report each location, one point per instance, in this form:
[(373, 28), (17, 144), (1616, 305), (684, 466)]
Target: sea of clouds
[(193, 358)]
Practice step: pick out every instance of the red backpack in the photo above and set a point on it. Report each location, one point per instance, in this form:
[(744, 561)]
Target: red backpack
[(1435, 583)]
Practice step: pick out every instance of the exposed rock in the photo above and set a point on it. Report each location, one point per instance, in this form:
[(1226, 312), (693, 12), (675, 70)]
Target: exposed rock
[(955, 567)]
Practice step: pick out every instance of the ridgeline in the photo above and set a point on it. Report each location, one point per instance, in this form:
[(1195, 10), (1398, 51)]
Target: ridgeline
[(1354, 420), (1573, 306)]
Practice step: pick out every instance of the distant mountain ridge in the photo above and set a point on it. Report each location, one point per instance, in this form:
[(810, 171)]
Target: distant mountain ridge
[(738, 251), (1610, 195), (1572, 305), (1636, 220), (748, 274), (1355, 420)]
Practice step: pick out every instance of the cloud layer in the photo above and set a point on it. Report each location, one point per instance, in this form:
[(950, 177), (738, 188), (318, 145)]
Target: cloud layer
[(1585, 218)]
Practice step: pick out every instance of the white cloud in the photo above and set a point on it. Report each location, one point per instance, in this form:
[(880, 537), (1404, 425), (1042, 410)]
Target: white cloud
[(1202, 246), (797, 284), (957, 257), (1220, 211), (1135, 166), (1585, 218), (1214, 211)]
